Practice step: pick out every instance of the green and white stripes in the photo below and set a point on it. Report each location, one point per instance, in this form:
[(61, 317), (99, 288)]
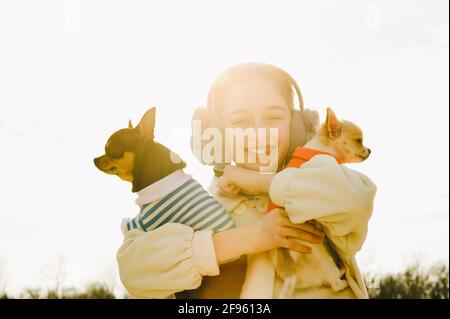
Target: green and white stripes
[(190, 204)]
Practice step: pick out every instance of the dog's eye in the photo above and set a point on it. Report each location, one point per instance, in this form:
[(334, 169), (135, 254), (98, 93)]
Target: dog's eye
[(358, 140), (114, 152)]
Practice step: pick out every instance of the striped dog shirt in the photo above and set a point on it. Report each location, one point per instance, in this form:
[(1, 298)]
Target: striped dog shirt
[(189, 204)]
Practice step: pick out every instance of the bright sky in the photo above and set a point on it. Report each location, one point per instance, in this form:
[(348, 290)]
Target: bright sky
[(72, 72)]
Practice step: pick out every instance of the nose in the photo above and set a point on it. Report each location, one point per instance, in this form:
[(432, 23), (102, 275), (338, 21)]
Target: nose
[(369, 151), (97, 161)]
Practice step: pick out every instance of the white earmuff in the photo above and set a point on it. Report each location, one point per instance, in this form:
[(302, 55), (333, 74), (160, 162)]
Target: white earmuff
[(304, 122)]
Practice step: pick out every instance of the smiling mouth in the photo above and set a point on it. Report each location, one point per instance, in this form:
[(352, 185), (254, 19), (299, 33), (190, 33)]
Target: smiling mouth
[(260, 151)]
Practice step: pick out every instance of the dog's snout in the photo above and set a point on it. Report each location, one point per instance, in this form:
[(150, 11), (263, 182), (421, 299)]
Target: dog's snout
[(97, 162)]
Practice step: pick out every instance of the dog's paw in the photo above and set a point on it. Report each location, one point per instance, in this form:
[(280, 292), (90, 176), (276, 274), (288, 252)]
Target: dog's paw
[(339, 285), (287, 290)]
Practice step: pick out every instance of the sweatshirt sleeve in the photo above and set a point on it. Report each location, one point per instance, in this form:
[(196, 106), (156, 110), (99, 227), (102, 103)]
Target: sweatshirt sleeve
[(340, 198), (229, 204), (170, 259)]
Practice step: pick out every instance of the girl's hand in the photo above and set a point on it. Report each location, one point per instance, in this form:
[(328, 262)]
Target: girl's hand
[(226, 184), (275, 230), (235, 180)]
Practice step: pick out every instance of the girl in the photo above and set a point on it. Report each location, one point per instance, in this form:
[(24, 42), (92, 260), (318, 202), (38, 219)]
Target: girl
[(174, 258)]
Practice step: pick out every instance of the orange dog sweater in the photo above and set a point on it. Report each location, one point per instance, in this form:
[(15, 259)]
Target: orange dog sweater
[(300, 156)]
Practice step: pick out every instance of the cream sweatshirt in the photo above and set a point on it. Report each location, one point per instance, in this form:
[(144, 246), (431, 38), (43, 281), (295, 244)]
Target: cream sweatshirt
[(174, 257)]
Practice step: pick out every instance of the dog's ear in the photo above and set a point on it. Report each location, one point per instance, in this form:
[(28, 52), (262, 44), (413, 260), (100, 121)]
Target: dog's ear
[(333, 125), (129, 124), (146, 126)]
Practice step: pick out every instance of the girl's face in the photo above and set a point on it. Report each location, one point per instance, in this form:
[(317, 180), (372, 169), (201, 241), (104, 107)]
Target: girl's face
[(257, 105)]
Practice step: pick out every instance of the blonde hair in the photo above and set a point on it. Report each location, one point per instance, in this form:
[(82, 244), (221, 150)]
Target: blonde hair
[(280, 79), (304, 122)]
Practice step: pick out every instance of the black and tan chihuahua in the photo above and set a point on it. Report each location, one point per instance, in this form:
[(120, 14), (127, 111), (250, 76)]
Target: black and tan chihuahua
[(133, 155)]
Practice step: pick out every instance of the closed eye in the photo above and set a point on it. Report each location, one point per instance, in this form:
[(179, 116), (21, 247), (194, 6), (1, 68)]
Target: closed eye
[(240, 121), (275, 117), (113, 152), (359, 140)]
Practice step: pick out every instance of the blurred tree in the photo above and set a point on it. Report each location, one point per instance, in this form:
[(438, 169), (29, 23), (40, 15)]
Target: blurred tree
[(31, 293), (94, 291), (56, 274), (3, 294), (414, 284)]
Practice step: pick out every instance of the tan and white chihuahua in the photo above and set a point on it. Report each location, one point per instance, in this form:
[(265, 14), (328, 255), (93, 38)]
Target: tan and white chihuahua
[(344, 141)]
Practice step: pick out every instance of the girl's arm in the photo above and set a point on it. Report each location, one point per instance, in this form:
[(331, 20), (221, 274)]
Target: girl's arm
[(272, 231), (236, 180), (161, 262), (341, 199), (174, 257)]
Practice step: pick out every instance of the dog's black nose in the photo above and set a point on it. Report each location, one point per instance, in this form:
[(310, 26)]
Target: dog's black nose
[(369, 151), (96, 161)]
